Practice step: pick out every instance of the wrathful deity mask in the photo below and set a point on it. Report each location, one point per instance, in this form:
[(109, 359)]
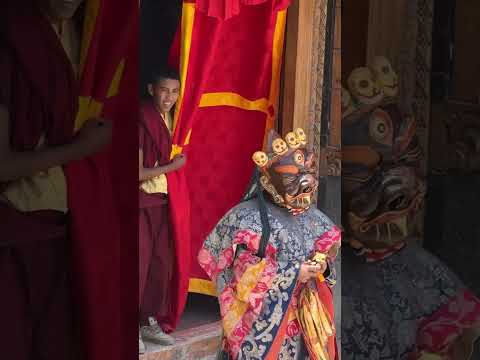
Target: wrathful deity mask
[(382, 188), (288, 171)]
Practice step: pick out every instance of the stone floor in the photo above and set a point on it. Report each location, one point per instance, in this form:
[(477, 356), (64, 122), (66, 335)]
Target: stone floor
[(197, 336), (197, 343), (200, 310)]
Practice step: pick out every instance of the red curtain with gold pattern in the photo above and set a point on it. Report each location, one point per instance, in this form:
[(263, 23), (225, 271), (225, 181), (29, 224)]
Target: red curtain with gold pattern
[(229, 55), (99, 227)]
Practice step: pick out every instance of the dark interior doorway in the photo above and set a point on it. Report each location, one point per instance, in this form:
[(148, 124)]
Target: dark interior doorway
[(159, 21), (452, 226)]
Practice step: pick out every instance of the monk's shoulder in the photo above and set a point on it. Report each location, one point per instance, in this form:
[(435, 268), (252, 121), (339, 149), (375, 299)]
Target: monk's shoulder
[(143, 109)]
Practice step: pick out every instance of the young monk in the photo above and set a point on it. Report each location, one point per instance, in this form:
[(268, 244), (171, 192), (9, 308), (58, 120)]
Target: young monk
[(39, 57), (155, 246)]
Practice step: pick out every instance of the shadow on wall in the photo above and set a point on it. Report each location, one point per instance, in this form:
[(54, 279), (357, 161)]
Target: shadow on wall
[(452, 230)]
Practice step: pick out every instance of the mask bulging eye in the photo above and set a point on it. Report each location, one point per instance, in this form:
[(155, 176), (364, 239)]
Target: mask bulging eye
[(299, 158), (381, 127), (363, 84)]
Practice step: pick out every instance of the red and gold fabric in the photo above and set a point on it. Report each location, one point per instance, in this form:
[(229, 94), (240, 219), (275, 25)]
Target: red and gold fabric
[(100, 232), (451, 331), (262, 305), (230, 72)]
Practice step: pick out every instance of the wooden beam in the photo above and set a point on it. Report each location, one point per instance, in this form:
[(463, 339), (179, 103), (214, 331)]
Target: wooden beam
[(335, 136), (386, 27), (304, 91), (355, 34), (297, 79), (287, 97), (329, 191)]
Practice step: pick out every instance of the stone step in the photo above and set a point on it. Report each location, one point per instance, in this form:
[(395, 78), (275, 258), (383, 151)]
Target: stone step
[(196, 343)]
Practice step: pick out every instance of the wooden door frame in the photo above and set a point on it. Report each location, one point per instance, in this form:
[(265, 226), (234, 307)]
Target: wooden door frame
[(311, 90)]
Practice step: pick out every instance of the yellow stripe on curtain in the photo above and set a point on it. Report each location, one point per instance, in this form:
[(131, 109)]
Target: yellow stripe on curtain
[(278, 40), (91, 13), (227, 98), (188, 16), (235, 100), (117, 78), (89, 107)]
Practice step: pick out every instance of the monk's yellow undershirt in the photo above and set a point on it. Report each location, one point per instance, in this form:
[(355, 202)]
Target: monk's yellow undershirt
[(46, 190)]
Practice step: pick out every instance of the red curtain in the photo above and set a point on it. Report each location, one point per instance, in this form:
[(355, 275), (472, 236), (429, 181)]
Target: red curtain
[(98, 202), (224, 9), (230, 75)]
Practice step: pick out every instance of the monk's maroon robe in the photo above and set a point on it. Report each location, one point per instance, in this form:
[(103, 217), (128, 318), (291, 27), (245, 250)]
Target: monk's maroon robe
[(155, 245), (38, 87)]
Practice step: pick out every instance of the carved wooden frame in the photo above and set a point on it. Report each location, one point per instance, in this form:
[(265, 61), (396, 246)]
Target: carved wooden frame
[(417, 71), (304, 89), (422, 65)]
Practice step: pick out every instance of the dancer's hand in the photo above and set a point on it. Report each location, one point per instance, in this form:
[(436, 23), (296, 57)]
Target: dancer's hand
[(309, 271)]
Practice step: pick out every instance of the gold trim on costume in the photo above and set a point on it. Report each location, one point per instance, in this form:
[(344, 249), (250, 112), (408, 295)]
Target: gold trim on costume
[(201, 286)]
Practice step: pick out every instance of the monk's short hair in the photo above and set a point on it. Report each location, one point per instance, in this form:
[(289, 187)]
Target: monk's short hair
[(163, 74)]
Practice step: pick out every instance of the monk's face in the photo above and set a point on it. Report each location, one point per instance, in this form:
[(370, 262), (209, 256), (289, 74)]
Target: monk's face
[(60, 9), (165, 94)]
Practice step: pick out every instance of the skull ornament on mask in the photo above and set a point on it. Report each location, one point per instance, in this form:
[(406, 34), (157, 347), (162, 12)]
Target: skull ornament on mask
[(288, 173), (292, 140), (260, 158), (363, 87), (385, 76), (301, 136), (279, 146)]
